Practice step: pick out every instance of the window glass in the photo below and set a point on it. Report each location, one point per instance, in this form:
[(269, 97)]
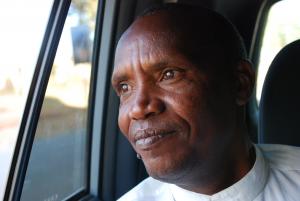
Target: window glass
[(283, 27), (58, 161), (23, 24)]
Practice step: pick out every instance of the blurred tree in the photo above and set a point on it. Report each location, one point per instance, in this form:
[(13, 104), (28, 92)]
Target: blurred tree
[(87, 11)]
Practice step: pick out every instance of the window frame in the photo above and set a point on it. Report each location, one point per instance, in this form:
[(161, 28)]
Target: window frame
[(102, 61), (17, 173), (260, 25), (35, 99), (259, 29)]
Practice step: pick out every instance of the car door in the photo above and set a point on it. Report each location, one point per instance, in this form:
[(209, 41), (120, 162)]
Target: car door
[(52, 157)]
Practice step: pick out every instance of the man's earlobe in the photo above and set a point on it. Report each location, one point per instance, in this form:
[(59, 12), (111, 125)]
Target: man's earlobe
[(245, 82)]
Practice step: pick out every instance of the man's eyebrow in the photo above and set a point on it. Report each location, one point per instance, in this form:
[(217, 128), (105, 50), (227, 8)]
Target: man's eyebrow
[(159, 64), (120, 75)]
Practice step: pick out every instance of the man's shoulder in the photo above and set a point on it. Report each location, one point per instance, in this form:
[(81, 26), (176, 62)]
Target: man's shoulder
[(148, 190), (281, 157)]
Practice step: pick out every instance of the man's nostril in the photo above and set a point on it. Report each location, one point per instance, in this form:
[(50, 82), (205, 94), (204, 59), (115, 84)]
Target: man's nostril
[(145, 109)]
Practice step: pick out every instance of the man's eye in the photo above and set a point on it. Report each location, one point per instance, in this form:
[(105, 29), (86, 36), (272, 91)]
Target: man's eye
[(123, 88), (169, 74)]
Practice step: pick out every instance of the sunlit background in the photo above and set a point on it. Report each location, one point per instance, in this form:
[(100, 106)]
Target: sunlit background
[(22, 26), (283, 27), (64, 109)]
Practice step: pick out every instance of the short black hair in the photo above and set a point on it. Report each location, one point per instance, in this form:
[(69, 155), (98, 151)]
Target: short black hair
[(215, 28)]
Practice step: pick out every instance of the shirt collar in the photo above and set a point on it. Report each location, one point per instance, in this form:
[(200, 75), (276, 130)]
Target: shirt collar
[(245, 189)]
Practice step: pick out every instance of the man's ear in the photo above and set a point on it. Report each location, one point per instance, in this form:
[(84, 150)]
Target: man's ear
[(245, 82)]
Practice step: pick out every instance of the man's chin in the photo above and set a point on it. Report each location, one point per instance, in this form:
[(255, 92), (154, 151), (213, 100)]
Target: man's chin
[(170, 172)]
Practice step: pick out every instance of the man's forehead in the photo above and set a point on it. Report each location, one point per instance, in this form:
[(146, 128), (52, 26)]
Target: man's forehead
[(141, 40), (160, 21), (145, 41), (162, 32), (144, 53), (155, 28)]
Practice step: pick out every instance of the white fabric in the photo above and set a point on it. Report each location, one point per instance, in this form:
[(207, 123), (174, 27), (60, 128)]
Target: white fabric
[(275, 176)]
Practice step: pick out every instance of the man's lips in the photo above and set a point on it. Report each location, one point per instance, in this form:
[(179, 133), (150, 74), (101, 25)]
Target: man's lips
[(145, 138)]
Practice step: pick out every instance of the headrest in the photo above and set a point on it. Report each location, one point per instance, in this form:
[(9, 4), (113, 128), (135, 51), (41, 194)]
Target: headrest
[(279, 110)]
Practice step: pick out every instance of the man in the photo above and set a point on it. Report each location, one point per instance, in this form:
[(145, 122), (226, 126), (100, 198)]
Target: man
[(183, 79)]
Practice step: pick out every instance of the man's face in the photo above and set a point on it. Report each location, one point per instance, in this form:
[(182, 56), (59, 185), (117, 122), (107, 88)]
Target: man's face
[(175, 114)]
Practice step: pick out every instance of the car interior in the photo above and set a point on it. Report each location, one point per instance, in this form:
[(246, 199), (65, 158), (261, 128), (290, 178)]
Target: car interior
[(109, 163), (278, 106)]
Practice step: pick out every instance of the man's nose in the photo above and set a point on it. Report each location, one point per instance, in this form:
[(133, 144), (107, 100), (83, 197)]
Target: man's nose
[(145, 105)]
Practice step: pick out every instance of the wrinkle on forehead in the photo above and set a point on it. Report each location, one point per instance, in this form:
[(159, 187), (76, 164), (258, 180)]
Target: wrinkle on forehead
[(146, 42), (142, 47), (163, 30), (139, 57), (158, 29)]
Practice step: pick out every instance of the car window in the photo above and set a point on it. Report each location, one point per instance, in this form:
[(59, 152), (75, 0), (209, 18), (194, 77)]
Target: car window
[(58, 164), (282, 27), (23, 25)]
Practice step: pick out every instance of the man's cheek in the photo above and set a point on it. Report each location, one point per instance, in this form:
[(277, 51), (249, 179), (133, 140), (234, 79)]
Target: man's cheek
[(123, 120)]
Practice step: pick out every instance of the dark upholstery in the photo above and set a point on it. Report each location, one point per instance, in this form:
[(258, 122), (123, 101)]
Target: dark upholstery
[(279, 110)]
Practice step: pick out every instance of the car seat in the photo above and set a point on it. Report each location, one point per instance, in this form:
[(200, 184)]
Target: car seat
[(279, 109)]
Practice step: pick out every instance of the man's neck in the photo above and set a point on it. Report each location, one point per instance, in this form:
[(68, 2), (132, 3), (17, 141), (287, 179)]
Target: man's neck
[(224, 174)]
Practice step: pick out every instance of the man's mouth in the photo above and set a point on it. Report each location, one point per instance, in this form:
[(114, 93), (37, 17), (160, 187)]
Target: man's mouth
[(144, 139)]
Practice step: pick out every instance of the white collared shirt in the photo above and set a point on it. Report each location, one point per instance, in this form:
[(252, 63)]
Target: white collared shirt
[(275, 176)]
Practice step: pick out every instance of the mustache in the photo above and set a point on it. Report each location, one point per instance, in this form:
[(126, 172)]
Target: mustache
[(150, 132), (144, 129)]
